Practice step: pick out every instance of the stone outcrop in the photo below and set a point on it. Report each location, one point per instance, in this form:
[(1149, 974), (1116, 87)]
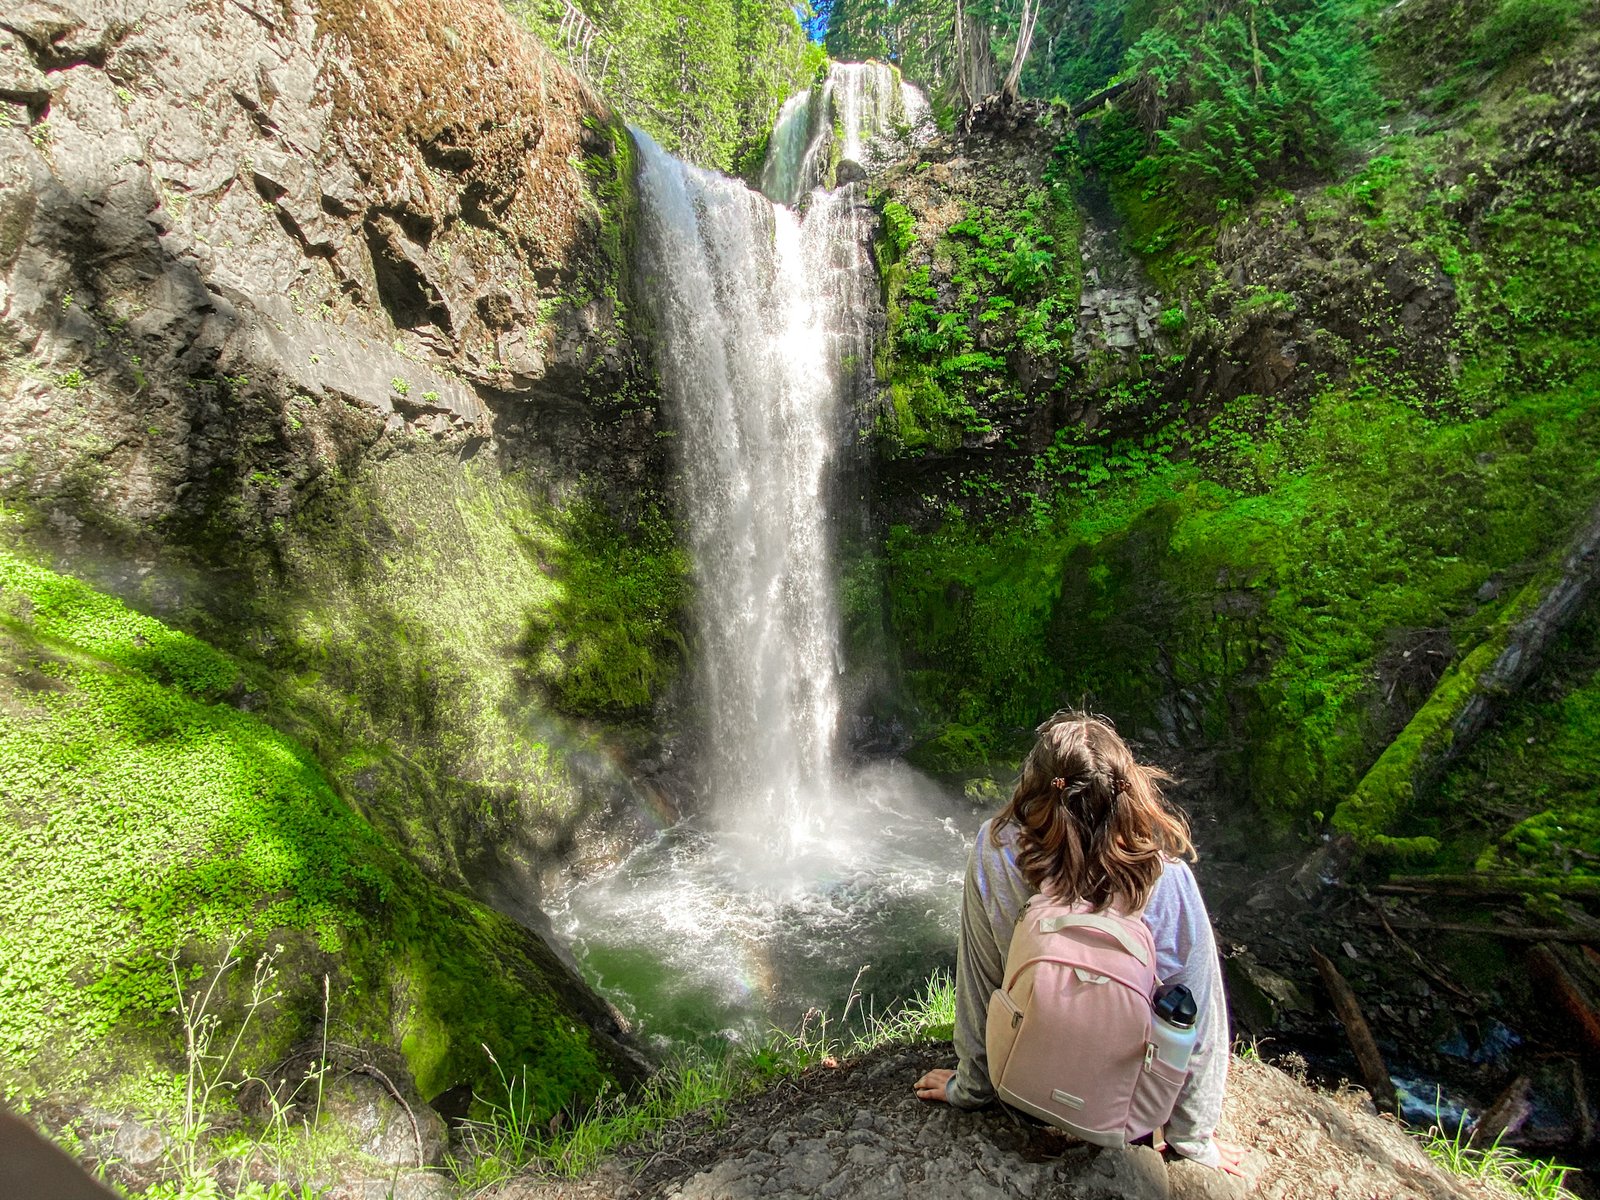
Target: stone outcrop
[(858, 1131), (240, 239)]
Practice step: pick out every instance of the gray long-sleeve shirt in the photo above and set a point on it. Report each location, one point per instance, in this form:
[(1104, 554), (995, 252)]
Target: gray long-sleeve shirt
[(1186, 953)]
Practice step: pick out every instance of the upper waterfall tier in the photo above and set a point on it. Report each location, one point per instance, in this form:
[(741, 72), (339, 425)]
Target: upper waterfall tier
[(840, 120)]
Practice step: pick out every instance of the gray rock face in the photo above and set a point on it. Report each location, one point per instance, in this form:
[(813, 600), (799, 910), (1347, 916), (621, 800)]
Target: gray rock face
[(227, 248), (410, 1135), (1119, 308)]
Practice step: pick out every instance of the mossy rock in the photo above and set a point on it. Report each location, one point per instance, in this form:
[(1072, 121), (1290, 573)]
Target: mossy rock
[(150, 822)]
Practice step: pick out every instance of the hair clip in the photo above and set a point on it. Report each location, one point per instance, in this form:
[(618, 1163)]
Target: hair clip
[(1058, 783)]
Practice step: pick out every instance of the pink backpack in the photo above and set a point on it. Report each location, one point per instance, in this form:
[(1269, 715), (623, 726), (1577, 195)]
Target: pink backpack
[(1069, 1035)]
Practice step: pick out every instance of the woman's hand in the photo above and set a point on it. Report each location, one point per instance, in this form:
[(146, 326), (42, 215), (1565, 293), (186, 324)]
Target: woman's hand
[(932, 1086), (1230, 1157)]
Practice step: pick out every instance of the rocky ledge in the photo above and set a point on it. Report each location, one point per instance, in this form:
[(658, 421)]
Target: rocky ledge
[(856, 1131)]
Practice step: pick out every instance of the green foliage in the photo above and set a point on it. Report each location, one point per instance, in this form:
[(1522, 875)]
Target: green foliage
[(1227, 132), (899, 228), (705, 78), (441, 609), (1522, 796), (137, 814), (607, 641), (1537, 1179), (1006, 278), (1259, 576), (1518, 27), (1350, 527), (508, 1137)]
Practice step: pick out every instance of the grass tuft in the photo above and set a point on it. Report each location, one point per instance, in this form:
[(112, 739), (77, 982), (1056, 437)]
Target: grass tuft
[(1497, 1165), (507, 1138)]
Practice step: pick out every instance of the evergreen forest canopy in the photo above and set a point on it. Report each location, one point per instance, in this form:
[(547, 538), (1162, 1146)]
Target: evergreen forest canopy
[(1215, 102), (705, 78)]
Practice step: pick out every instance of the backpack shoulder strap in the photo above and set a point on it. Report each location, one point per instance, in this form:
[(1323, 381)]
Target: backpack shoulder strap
[(1103, 924)]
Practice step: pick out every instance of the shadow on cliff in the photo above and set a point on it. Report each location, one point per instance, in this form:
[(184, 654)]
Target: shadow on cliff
[(203, 478)]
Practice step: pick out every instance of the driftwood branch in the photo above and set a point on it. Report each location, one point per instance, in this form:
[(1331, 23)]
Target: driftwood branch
[(1374, 1074), (1103, 96), (1468, 693), (1510, 933), (1420, 963), (1508, 1111)]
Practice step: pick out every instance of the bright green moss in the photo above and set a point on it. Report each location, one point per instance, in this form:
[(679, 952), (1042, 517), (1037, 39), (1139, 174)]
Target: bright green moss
[(606, 642), (60, 607), (137, 818), (1524, 796), (1259, 620), (446, 611)]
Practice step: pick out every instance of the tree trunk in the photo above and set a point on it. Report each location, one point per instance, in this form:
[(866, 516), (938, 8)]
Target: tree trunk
[(1019, 56), (1255, 48), (1468, 694)]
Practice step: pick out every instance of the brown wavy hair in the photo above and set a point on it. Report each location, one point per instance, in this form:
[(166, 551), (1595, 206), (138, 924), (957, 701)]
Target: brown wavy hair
[(1091, 822)]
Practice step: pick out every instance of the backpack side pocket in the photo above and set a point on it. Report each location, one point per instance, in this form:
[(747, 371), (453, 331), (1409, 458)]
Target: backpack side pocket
[(1000, 1033), (1155, 1094)]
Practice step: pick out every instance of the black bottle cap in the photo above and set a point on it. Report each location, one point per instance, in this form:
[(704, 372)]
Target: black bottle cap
[(1175, 1005)]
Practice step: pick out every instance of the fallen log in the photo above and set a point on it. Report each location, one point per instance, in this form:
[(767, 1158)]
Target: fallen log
[(1374, 1074), (1101, 98), (1511, 933), (1467, 694), (1566, 997), (1503, 887)]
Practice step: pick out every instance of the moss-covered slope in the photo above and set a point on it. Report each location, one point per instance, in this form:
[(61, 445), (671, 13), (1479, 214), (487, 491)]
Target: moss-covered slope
[(1348, 422), (148, 818)]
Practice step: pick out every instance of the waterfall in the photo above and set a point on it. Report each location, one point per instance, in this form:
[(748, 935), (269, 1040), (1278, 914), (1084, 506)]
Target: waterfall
[(768, 902), (797, 147), (747, 312), (856, 105)]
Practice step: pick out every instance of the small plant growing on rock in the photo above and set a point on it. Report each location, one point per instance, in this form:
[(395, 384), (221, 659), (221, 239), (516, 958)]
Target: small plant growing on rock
[(400, 386), (210, 1065)]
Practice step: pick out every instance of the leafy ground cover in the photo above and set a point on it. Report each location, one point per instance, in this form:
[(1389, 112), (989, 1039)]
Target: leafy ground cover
[(145, 818)]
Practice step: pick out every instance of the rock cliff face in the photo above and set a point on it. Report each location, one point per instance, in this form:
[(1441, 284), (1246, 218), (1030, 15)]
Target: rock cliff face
[(218, 217), (316, 337), (316, 341)]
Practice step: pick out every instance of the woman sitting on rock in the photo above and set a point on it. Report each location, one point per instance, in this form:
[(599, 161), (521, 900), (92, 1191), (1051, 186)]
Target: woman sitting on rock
[(1088, 824)]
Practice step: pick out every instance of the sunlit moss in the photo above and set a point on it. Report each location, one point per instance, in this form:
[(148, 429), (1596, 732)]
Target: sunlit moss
[(140, 818)]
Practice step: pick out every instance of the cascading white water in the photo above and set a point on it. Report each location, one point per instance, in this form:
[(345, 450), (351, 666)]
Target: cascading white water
[(742, 301), (795, 149), (860, 103), (800, 873)]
